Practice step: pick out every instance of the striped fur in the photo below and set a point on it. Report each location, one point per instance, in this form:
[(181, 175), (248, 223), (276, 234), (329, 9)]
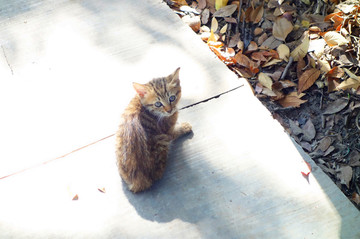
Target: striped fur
[(146, 131)]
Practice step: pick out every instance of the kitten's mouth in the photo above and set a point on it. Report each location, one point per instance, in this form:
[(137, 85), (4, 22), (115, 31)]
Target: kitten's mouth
[(171, 112)]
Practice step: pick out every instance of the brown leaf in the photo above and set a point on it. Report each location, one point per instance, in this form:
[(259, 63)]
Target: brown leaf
[(257, 14), (336, 106), (271, 62), (205, 16), (349, 83), (265, 80), (201, 4), (335, 72), (355, 198), (300, 66), (301, 50), (324, 143), (284, 52), (234, 40), (333, 38), (295, 129), (307, 79), (214, 24), (246, 62), (354, 159), (271, 43), (252, 47), (345, 175), (193, 22), (309, 131), (291, 100), (225, 11), (282, 27)]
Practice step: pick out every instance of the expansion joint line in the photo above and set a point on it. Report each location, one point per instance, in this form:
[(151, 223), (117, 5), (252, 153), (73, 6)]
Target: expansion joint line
[(52, 160), (211, 98), (7, 61)]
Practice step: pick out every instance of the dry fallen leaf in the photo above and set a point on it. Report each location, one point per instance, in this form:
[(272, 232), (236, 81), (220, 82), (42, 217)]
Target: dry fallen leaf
[(202, 4), (282, 27), (345, 175), (336, 106), (356, 198), (309, 131), (192, 21), (214, 24), (324, 143), (205, 16), (243, 60), (354, 158), (292, 100), (333, 38), (271, 62), (301, 50), (307, 79), (306, 170), (324, 66), (220, 3), (225, 11), (284, 52), (295, 129), (348, 84), (223, 29), (265, 80), (352, 75), (257, 14)]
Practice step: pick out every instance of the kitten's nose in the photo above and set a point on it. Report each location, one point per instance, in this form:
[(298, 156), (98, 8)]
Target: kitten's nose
[(168, 108)]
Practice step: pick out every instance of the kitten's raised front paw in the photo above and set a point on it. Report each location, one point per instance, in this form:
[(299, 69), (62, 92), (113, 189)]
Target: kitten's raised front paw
[(186, 127), (181, 129)]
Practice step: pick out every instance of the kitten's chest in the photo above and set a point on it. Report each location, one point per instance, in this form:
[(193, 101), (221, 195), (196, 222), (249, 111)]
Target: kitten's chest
[(157, 126)]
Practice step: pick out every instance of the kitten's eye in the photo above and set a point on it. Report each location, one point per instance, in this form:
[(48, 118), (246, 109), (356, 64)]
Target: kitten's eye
[(172, 98), (158, 104)]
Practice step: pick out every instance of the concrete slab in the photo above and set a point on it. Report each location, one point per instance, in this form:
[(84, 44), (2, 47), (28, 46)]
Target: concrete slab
[(237, 176), (67, 68)]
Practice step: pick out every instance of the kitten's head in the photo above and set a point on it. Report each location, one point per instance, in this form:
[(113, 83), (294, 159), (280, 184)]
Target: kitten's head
[(161, 95)]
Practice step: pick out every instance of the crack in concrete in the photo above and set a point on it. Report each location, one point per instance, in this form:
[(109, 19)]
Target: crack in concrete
[(211, 98), (7, 61)]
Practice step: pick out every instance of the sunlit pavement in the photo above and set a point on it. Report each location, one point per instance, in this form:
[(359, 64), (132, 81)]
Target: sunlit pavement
[(66, 71)]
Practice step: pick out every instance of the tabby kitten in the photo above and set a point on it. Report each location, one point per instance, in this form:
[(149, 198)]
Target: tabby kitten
[(146, 131)]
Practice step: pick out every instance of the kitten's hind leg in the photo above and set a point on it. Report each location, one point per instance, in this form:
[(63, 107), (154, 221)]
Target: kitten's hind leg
[(182, 129), (140, 183)]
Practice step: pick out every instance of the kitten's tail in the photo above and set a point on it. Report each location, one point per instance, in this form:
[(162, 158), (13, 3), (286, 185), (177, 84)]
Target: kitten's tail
[(135, 139)]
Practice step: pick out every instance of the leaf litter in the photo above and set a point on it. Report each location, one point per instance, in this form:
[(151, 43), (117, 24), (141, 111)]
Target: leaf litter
[(302, 59)]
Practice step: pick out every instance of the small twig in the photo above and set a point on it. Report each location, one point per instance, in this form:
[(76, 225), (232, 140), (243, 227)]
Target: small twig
[(283, 75), (357, 121), (7, 61), (321, 99), (238, 16)]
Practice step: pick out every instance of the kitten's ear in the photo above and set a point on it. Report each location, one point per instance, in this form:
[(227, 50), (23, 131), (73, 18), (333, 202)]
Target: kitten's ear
[(140, 89), (174, 77)]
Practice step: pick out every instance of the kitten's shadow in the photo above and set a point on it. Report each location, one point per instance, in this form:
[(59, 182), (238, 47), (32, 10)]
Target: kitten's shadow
[(175, 195)]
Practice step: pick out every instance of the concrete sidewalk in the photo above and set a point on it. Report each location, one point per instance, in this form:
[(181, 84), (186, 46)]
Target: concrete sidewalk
[(66, 70)]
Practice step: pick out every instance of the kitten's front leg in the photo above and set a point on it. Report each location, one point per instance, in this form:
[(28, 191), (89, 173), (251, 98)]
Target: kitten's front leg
[(181, 129)]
